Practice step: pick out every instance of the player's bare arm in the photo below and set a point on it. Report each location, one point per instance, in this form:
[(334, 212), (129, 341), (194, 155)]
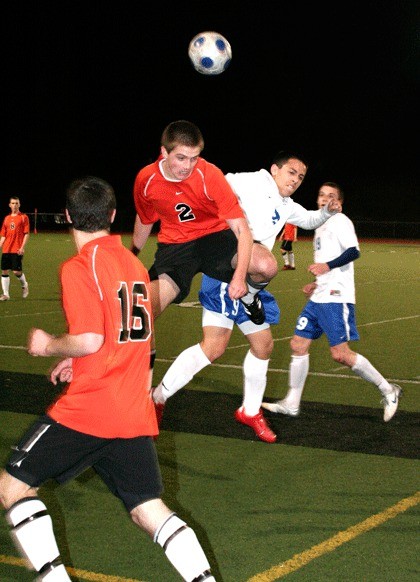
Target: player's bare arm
[(238, 286), (140, 235), (41, 343)]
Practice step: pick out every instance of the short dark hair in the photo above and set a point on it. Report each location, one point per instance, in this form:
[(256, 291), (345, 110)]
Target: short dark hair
[(337, 187), (181, 132), (90, 202), (283, 156)]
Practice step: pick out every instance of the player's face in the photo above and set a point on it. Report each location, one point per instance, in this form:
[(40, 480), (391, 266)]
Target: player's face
[(325, 194), (289, 177), (14, 205), (180, 162)]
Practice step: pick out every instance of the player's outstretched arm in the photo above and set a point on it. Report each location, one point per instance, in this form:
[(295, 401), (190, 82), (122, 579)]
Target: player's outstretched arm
[(141, 233), (238, 287)]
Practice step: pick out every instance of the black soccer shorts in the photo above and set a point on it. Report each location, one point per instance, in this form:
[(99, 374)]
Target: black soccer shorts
[(49, 450), (11, 262), (211, 254)]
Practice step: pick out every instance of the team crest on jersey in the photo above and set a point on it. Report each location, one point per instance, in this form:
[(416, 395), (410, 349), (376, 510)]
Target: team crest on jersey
[(276, 217)]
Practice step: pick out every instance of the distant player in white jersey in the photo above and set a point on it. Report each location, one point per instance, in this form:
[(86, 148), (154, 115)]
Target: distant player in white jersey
[(331, 310), (265, 198)]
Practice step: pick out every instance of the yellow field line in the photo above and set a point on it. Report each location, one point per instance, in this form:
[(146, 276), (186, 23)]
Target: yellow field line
[(331, 544), (81, 574), (280, 570)]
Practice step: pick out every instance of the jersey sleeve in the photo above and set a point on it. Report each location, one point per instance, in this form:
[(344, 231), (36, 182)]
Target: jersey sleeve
[(26, 226), (144, 208), (223, 194), (345, 231), (307, 219), (81, 299)]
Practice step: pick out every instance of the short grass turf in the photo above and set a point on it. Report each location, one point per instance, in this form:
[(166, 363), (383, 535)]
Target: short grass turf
[(254, 506)]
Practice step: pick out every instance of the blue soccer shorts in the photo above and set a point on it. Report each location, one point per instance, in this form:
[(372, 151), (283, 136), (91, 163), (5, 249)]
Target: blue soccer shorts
[(214, 297), (336, 320)]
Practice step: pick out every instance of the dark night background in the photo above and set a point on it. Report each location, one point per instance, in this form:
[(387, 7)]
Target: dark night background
[(87, 88)]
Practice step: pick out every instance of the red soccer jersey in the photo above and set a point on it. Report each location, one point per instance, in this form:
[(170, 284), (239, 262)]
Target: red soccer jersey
[(105, 290), (187, 209), (14, 229), (289, 232)]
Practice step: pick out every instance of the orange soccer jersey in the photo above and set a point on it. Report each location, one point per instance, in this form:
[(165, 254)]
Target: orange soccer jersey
[(105, 291), (187, 209), (14, 228), (289, 232)]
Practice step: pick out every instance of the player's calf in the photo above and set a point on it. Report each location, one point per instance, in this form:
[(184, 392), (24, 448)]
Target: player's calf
[(32, 532)]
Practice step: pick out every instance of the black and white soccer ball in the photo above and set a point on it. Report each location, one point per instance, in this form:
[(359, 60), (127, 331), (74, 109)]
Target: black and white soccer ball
[(210, 53)]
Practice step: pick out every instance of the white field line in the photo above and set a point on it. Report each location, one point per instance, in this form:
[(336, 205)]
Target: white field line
[(281, 370), (289, 337)]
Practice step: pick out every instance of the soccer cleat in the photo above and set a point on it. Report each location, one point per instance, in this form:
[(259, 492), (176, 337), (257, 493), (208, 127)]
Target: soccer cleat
[(25, 291), (4, 298), (390, 402), (281, 406), (258, 424), (255, 310), (288, 268)]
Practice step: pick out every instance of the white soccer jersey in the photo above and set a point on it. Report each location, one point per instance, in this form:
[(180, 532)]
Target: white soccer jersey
[(266, 210), (330, 241)]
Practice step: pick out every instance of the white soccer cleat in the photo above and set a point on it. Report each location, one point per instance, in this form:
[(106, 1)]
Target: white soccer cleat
[(25, 291), (281, 406), (390, 402), (4, 298)]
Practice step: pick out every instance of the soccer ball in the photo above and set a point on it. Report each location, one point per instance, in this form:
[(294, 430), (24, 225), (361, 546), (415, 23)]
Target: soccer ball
[(210, 53)]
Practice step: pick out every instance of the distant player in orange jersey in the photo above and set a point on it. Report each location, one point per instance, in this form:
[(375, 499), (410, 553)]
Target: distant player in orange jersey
[(287, 238), (14, 235)]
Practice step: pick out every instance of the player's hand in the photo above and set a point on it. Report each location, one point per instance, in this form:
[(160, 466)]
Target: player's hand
[(308, 289), (63, 371), (334, 206), (38, 341), (318, 269), (237, 288)]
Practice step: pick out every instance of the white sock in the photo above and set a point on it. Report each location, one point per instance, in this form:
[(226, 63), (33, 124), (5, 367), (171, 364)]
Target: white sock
[(255, 381), (298, 372), (365, 370), (253, 289), (285, 258), (292, 259), (185, 367), (22, 280), (183, 549), (32, 531), (5, 284)]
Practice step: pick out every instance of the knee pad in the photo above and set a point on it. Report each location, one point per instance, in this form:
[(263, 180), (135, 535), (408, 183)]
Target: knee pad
[(32, 532)]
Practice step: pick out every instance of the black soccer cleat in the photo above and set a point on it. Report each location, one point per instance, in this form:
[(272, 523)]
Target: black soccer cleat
[(255, 310)]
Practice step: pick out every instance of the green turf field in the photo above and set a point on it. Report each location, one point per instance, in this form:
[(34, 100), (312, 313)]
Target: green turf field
[(336, 498)]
